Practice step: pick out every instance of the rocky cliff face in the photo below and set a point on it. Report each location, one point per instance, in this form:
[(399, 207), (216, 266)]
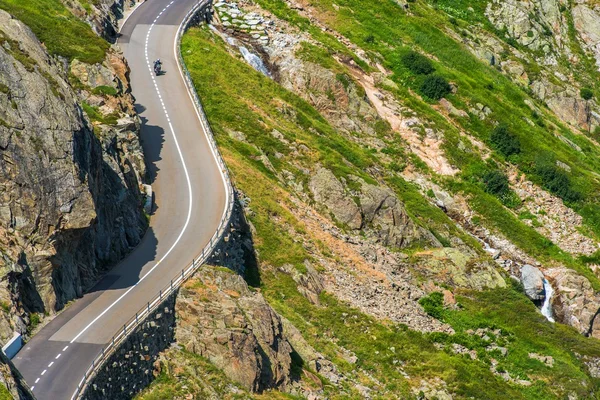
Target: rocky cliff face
[(377, 210), (102, 15), (222, 320), (13, 384), (551, 34), (71, 203)]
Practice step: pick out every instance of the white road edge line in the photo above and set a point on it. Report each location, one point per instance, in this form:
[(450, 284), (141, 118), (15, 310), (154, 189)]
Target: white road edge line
[(212, 150), (187, 221), (204, 128)]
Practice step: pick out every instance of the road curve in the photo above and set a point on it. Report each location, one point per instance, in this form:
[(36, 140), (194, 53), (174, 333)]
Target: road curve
[(190, 201)]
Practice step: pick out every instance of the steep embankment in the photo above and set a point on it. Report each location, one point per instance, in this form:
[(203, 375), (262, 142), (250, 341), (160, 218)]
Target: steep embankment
[(393, 180), (72, 166)]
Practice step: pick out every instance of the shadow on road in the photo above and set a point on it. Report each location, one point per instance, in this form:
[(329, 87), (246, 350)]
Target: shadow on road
[(129, 271), (153, 138)]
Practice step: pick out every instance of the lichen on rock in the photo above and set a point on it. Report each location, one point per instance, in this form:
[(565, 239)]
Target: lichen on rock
[(458, 269)]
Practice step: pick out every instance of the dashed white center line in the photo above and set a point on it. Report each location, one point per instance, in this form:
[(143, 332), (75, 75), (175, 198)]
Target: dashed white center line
[(150, 69), (49, 365), (37, 380), (59, 354), (43, 372)]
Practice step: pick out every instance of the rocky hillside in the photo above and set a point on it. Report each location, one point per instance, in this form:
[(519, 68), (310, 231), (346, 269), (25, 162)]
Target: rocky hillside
[(419, 182), (417, 186), (72, 166)]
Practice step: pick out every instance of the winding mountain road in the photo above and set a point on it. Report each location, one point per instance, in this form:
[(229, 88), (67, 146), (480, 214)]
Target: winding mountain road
[(191, 198)]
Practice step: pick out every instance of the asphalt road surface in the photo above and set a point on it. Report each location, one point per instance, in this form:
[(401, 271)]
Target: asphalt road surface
[(190, 201)]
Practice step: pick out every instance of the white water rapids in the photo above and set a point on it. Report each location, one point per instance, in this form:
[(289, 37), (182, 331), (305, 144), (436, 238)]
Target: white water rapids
[(255, 61), (251, 58), (547, 307)]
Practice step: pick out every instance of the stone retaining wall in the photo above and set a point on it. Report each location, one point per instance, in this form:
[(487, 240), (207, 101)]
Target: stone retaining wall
[(130, 368)]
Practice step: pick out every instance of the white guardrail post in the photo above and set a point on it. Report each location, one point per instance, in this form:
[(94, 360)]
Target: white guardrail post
[(142, 314)]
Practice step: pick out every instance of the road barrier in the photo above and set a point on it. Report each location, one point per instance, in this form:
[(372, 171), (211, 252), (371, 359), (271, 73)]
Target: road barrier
[(178, 280), (12, 347)]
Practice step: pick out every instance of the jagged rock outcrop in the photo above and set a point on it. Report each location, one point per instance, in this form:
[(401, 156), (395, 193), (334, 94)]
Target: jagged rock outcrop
[(221, 319), (70, 205), (310, 283), (101, 15), (587, 23), (11, 382), (542, 27), (337, 98), (574, 302), (377, 210), (533, 282), (535, 24), (564, 102), (330, 192), (386, 216)]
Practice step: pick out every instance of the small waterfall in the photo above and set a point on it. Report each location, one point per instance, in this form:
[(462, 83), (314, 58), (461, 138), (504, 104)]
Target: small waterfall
[(255, 61), (547, 307)]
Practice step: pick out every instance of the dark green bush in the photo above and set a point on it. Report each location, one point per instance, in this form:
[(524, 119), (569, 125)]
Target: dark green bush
[(504, 141), (435, 87), (417, 63), (433, 304), (556, 180), (586, 93), (496, 183)]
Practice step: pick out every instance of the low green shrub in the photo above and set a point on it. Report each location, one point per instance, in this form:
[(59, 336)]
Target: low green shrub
[(586, 93), (556, 180), (105, 90), (435, 87), (496, 183), (417, 63), (433, 304), (96, 116), (504, 141)]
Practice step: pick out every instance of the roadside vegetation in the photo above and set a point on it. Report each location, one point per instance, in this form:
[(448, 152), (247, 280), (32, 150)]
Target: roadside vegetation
[(58, 29), (4, 393), (238, 99)]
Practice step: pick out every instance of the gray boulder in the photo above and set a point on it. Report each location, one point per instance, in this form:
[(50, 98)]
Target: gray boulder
[(386, 216), (533, 282), (327, 190)]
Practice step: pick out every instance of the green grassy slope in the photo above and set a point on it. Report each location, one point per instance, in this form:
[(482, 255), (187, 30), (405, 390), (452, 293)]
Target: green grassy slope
[(56, 27), (238, 98), (387, 33)]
